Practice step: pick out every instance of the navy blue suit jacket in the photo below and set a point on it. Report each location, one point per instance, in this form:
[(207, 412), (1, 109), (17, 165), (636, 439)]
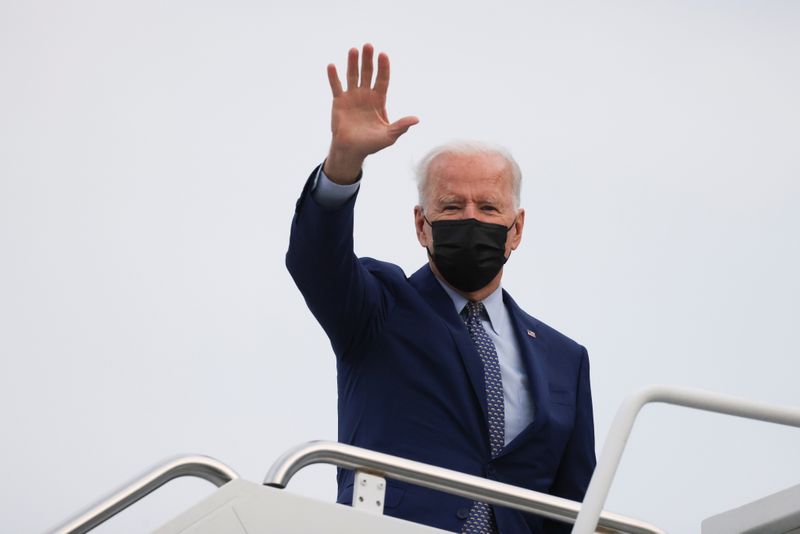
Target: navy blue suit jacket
[(410, 381)]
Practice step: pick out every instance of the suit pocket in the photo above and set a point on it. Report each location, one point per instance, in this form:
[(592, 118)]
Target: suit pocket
[(562, 396)]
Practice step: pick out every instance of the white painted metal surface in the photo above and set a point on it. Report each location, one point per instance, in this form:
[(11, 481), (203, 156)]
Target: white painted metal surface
[(778, 513), (243, 507), (369, 492)]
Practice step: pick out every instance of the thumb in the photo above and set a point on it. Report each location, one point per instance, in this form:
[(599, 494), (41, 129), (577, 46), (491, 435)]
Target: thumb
[(401, 126)]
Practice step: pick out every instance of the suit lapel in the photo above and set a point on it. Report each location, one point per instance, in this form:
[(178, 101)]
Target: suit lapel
[(425, 282), (531, 348)]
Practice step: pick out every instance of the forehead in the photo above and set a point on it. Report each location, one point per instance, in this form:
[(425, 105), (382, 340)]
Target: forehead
[(482, 175)]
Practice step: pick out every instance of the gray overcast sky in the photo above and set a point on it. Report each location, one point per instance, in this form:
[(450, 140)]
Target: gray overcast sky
[(151, 154)]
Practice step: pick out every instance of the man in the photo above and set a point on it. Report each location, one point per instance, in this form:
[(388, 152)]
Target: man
[(442, 367)]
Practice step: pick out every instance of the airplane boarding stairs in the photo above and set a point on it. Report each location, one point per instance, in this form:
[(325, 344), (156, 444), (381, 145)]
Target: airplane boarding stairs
[(243, 507)]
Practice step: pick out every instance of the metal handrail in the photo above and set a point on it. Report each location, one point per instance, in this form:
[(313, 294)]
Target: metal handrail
[(438, 478), (622, 426), (203, 467)]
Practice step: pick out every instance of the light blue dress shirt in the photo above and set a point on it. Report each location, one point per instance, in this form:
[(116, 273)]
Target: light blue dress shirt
[(329, 194), (516, 387), (518, 403)]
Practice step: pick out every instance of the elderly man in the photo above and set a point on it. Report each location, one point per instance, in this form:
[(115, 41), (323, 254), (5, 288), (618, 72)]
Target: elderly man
[(442, 367)]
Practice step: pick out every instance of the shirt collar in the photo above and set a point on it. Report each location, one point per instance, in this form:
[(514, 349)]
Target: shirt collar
[(493, 304)]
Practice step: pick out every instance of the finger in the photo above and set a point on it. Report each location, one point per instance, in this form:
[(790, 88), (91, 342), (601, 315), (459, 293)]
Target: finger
[(333, 79), (352, 68), (366, 66), (401, 126), (382, 80)]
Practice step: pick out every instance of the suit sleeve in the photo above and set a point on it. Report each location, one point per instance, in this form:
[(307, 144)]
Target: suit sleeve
[(578, 462), (346, 299)]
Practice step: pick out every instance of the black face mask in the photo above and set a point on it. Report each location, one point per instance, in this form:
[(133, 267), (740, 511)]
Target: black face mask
[(467, 252)]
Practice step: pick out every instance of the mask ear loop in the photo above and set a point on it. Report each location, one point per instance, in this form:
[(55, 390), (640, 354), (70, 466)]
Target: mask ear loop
[(424, 218), (513, 224)]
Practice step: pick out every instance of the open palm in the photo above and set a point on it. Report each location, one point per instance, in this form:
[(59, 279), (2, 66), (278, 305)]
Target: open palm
[(359, 122)]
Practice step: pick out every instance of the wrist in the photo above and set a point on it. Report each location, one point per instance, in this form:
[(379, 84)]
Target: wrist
[(342, 167)]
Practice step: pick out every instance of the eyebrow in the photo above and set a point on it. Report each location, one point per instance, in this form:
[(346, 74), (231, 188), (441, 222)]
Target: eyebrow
[(455, 199), (449, 199)]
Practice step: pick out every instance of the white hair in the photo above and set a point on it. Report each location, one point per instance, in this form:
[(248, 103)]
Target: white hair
[(467, 148)]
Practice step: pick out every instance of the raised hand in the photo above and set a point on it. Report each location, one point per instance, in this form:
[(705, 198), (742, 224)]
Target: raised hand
[(359, 123)]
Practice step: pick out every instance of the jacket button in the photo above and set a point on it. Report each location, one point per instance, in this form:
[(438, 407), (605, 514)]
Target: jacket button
[(462, 513)]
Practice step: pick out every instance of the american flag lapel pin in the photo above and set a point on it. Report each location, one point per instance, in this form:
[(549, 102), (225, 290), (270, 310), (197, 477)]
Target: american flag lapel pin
[(532, 333)]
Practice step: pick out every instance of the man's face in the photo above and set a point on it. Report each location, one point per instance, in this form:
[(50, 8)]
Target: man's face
[(475, 186)]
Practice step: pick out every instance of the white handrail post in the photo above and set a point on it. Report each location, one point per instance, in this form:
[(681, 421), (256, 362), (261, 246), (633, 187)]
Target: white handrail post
[(622, 426), (198, 466)]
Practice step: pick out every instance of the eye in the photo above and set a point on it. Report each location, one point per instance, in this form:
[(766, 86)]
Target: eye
[(489, 208)]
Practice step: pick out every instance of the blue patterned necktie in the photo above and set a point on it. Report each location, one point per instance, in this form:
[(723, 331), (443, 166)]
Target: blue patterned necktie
[(481, 518)]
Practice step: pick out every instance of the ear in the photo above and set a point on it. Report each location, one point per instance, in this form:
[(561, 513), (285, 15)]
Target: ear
[(419, 223), (519, 224)]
